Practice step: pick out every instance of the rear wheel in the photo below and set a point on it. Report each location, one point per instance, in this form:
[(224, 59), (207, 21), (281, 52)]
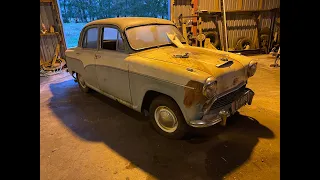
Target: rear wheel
[(166, 117), (82, 84)]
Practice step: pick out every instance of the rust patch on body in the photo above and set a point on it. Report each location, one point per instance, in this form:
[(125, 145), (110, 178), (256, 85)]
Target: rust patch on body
[(193, 96)]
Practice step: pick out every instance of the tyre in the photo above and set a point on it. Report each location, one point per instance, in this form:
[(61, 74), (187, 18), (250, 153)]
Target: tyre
[(167, 118), (243, 43), (82, 84), (214, 38)]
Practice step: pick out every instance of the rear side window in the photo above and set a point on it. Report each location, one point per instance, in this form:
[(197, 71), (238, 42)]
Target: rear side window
[(111, 39), (90, 39)]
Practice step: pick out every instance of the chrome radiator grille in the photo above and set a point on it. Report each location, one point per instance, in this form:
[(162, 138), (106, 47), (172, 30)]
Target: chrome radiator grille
[(229, 98)]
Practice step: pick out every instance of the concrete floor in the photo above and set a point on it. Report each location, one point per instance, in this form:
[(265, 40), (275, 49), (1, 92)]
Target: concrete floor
[(89, 136)]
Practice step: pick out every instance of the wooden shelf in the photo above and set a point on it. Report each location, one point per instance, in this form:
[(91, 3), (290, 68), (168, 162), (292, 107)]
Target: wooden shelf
[(47, 1), (49, 34)]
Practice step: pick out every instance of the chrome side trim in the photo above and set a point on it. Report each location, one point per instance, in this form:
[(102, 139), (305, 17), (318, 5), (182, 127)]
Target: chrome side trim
[(138, 74), (113, 97), (163, 80)]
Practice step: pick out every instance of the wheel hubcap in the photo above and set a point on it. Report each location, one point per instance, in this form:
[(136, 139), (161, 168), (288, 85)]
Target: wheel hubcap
[(166, 119), (81, 81)]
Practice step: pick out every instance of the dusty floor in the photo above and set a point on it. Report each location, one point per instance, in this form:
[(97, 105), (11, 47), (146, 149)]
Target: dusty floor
[(88, 136)]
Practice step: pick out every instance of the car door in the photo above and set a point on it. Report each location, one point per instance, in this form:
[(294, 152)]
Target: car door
[(86, 53), (111, 66)]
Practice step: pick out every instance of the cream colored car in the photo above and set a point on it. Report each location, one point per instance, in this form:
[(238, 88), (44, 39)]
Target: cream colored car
[(145, 64)]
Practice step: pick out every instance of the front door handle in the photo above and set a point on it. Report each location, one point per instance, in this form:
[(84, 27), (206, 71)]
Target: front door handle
[(97, 56)]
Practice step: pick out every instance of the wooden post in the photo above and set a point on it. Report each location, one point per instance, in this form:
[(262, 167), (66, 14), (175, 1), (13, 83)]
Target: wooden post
[(199, 24), (58, 16), (271, 30), (171, 10), (257, 31), (217, 28), (195, 19), (184, 32), (224, 26)]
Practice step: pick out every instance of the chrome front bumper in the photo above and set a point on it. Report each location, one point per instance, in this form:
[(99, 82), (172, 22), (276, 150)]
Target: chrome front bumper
[(219, 115)]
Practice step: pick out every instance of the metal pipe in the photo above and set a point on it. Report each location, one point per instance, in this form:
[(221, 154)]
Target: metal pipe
[(225, 25), (271, 31), (195, 20), (170, 10)]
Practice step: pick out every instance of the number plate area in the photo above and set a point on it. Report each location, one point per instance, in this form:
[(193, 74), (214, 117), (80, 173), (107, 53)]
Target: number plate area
[(237, 104)]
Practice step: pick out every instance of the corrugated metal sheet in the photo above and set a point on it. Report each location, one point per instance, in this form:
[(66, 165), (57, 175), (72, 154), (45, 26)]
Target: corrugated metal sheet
[(210, 5), (237, 25), (249, 5), (270, 4), (185, 10), (46, 16), (208, 25), (265, 20), (182, 2), (240, 26), (233, 5), (48, 43)]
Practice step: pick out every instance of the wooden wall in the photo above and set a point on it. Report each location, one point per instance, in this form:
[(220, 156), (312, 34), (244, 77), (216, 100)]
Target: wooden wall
[(50, 15)]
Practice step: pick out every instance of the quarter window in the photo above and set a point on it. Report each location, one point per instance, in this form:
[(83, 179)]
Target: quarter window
[(90, 39)]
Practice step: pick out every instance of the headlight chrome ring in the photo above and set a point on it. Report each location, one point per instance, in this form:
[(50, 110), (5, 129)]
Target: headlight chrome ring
[(209, 89), (252, 68)]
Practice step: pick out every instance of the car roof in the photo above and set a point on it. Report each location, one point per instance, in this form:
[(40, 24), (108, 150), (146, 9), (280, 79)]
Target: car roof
[(125, 22)]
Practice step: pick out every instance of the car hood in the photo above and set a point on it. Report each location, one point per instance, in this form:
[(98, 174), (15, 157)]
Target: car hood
[(201, 59), (206, 60)]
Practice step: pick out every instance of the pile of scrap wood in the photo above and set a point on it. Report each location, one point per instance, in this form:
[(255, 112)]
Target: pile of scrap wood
[(54, 66)]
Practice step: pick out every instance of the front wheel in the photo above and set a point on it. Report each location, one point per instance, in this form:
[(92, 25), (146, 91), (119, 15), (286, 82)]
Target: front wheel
[(82, 84), (166, 117)]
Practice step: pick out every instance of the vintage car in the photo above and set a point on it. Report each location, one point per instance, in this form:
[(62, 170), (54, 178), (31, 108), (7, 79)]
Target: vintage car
[(146, 64)]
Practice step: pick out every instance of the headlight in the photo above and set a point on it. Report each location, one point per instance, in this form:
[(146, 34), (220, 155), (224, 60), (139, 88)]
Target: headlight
[(252, 67), (210, 87)]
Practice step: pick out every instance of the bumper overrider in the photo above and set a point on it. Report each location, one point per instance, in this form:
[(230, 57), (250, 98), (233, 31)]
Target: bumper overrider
[(223, 107)]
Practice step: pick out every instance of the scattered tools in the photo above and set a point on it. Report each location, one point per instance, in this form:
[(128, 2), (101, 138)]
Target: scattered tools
[(277, 55)]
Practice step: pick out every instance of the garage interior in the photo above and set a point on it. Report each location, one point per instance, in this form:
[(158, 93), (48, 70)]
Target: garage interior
[(90, 136)]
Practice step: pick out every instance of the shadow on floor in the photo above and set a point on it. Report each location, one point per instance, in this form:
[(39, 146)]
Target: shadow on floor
[(211, 154)]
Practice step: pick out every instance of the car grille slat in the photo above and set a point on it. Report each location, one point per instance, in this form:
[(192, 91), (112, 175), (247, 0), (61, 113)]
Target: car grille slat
[(228, 99)]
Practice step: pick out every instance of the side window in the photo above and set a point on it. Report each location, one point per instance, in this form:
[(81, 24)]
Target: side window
[(90, 39), (111, 39)]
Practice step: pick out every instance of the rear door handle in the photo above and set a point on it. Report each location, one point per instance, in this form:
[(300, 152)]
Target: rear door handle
[(97, 56), (77, 53)]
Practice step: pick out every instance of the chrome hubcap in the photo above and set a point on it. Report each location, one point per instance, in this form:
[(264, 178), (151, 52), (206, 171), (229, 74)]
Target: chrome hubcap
[(166, 119), (81, 81)]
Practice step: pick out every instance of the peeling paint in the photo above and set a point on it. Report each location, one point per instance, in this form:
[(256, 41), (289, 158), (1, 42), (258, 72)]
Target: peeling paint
[(193, 96)]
